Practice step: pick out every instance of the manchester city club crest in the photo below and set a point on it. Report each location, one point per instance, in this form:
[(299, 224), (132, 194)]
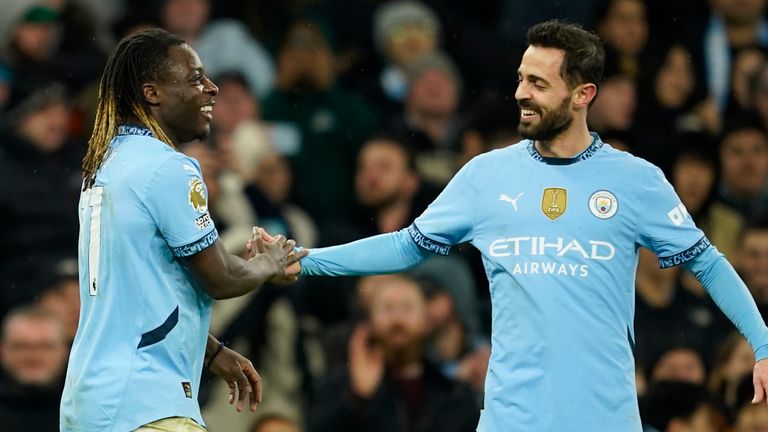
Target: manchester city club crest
[(603, 204), (553, 202)]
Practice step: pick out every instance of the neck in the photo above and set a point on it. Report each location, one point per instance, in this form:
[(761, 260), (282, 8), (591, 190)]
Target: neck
[(408, 370), (568, 144), (393, 217)]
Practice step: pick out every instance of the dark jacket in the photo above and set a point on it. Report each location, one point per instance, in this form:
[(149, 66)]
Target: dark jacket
[(448, 406)]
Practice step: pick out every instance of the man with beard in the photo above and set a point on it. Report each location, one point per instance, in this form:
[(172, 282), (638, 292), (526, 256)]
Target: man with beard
[(388, 385), (559, 219)]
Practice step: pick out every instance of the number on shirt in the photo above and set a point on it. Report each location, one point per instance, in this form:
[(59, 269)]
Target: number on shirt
[(93, 198)]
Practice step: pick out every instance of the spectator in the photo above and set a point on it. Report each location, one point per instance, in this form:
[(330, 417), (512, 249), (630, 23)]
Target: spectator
[(235, 104), (623, 26), (732, 26), (62, 296), (454, 339), (223, 44), (681, 406), (33, 354), (734, 361), (744, 168), (754, 260), (389, 386), (667, 106), (404, 30), (387, 186), (332, 123), (745, 66), (30, 45), (668, 314), (41, 189), (430, 118)]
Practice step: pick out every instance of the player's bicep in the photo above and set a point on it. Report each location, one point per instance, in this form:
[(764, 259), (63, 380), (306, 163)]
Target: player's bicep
[(177, 200), (665, 225)]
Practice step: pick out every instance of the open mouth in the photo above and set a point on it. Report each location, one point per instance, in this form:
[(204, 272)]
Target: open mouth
[(207, 111), (527, 115)]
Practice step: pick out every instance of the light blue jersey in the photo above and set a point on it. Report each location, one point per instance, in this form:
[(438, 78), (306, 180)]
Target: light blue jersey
[(559, 240), (139, 349)]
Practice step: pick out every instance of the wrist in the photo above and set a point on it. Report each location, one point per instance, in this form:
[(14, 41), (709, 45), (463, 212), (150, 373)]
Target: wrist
[(219, 348)]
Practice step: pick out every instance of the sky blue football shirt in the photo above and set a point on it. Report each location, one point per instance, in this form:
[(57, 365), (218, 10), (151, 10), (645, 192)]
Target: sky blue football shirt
[(139, 349)]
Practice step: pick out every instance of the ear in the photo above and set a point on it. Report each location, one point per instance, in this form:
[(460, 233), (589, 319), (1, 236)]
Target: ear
[(151, 96), (584, 94)]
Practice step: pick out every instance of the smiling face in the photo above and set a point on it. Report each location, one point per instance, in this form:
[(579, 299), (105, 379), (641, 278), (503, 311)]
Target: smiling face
[(182, 99), (542, 94)]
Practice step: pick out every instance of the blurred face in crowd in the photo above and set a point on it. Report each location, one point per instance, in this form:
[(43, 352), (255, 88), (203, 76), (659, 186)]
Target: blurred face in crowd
[(398, 316), (46, 128), (410, 41), (754, 262), (744, 159), (675, 80), (542, 94), (752, 418), (760, 94), (185, 17), (234, 105), (679, 364), (305, 61), (615, 108), (34, 40), (274, 177), (33, 350), (63, 301), (433, 94), (693, 179), (383, 176), (625, 27), (739, 12)]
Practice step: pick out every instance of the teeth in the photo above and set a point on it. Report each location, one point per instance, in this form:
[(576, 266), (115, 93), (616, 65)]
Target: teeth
[(206, 108), (527, 112)]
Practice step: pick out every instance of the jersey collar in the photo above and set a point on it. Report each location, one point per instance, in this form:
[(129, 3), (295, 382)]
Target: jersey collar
[(130, 129), (596, 145)]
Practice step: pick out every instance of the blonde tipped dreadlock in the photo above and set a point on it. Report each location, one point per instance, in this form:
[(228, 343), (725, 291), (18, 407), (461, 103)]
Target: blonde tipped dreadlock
[(137, 59)]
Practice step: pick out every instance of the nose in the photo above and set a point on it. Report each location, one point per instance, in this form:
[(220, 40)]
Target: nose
[(210, 88), (521, 93)]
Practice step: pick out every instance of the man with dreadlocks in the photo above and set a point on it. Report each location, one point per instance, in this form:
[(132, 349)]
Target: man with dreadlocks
[(150, 262)]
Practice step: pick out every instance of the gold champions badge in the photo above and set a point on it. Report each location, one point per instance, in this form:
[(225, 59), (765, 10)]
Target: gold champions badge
[(553, 202)]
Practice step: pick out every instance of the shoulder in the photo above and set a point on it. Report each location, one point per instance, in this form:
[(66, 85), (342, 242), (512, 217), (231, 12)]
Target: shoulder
[(628, 164), (510, 154)]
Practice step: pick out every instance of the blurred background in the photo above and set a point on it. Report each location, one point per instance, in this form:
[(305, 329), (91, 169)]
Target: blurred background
[(339, 119)]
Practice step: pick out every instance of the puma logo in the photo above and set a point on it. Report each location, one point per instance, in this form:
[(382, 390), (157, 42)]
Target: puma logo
[(513, 201)]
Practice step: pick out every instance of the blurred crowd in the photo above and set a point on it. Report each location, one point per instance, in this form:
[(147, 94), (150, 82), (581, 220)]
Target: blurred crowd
[(340, 119)]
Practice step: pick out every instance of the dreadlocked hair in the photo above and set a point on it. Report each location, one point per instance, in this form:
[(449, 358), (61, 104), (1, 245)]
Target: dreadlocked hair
[(138, 59)]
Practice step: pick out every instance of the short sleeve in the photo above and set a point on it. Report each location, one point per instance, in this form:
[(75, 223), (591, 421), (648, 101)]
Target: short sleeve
[(177, 200), (449, 219), (665, 227)]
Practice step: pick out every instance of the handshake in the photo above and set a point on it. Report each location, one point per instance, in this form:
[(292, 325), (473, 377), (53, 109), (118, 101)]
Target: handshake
[(282, 252)]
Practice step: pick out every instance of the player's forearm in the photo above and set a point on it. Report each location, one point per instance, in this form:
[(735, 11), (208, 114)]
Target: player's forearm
[(732, 297), (242, 277), (385, 253)]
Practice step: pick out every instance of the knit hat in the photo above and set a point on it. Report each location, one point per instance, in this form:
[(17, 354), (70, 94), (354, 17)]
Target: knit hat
[(394, 14), (27, 99)]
